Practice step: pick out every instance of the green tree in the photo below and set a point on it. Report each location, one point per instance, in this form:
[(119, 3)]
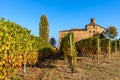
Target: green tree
[(43, 28), (52, 41), (112, 32), (102, 36)]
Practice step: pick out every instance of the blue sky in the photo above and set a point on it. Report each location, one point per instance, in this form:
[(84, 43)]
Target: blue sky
[(61, 14)]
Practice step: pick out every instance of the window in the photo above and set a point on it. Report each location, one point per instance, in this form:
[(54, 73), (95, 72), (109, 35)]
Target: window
[(93, 31), (62, 35), (93, 26), (89, 31)]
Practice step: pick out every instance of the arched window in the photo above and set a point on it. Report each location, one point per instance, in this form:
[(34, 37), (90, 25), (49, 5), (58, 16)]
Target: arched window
[(93, 31)]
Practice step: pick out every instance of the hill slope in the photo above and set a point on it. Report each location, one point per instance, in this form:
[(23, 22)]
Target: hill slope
[(88, 69)]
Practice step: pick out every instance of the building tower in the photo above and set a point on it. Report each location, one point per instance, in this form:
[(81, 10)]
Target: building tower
[(93, 21)]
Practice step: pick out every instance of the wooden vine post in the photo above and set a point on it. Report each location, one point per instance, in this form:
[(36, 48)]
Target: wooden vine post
[(119, 45), (72, 50), (24, 62), (98, 46), (109, 51), (67, 46), (115, 47), (71, 42)]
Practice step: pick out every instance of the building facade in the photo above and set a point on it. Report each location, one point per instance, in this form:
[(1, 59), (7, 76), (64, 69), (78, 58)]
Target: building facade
[(90, 30)]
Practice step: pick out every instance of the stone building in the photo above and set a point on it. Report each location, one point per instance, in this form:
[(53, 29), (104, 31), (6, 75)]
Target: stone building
[(90, 30)]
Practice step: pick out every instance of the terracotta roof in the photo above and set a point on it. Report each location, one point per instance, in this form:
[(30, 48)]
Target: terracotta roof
[(95, 25), (74, 29), (77, 29), (64, 31), (82, 29)]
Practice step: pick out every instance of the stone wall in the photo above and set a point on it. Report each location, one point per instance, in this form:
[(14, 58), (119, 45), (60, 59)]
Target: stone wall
[(91, 30)]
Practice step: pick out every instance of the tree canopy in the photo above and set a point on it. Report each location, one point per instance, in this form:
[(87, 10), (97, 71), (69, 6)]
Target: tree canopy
[(43, 28), (52, 41), (112, 32)]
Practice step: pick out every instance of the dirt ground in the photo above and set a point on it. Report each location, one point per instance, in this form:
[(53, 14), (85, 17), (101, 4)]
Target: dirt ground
[(87, 69)]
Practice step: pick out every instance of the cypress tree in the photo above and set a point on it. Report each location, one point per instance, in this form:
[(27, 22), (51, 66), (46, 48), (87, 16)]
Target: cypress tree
[(43, 28)]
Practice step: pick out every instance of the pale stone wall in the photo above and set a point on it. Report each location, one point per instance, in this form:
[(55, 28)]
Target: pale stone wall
[(78, 35), (61, 35), (95, 29)]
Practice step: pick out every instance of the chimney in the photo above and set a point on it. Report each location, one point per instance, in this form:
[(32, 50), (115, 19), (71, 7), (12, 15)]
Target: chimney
[(93, 21)]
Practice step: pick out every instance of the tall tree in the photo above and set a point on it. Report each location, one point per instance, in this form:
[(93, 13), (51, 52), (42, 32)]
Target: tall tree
[(44, 28), (112, 32), (52, 41)]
